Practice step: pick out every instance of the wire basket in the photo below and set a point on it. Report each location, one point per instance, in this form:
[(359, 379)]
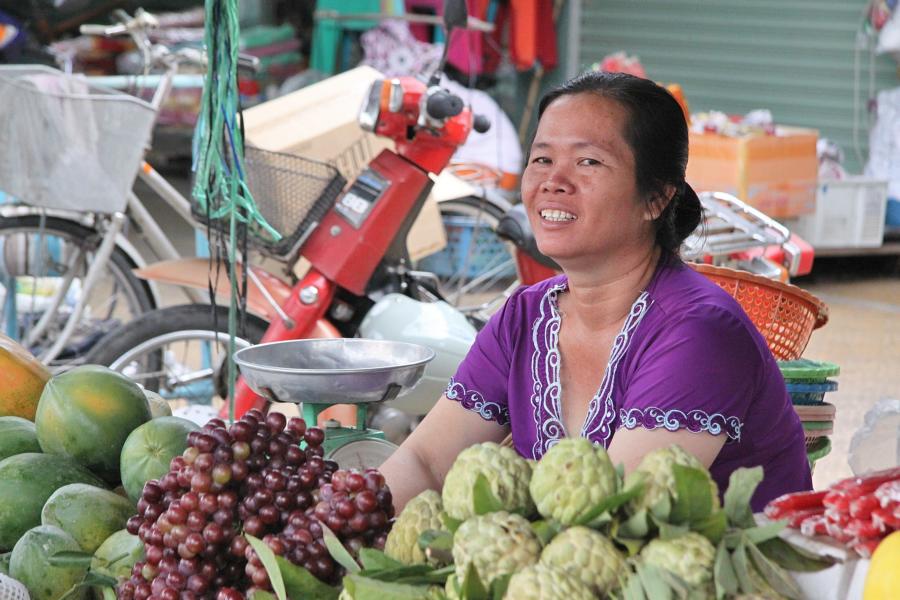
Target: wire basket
[(472, 249), (785, 314), (293, 193), (67, 144)]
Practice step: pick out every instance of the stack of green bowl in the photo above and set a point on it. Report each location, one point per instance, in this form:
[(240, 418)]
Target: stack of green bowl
[(807, 382)]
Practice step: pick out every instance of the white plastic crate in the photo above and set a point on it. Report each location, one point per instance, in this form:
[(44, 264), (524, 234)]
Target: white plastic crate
[(849, 214)]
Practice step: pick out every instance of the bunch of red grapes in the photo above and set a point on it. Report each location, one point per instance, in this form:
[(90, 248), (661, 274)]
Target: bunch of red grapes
[(252, 477)]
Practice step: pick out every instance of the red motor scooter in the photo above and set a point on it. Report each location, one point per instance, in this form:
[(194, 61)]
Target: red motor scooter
[(353, 240)]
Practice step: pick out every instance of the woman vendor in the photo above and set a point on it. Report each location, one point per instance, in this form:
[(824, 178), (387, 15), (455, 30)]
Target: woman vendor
[(629, 347)]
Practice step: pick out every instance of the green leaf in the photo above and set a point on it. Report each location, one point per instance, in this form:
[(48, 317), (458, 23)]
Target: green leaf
[(259, 594), (365, 588), (437, 545), (741, 565), (472, 587), (633, 590), (763, 533), (693, 496), (4, 562), (637, 526), (546, 530), (403, 574), (483, 499), (789, 557), (98, 579), (609, 504), (372, 559), (668, 531), (108, 593), (70, 558), (654, 583), (662, 509), (712, 527), (777, 577), (267, 558), (300, 583), (337, 551), (450, 523), (499, 586), (741, 485), (733, 538), (723, 572)]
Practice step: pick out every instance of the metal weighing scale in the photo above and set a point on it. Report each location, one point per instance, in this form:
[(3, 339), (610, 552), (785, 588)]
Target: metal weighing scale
[(319, 373)]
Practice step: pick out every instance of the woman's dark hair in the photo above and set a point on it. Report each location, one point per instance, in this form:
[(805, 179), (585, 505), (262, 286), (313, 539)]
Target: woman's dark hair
[(657, 133)]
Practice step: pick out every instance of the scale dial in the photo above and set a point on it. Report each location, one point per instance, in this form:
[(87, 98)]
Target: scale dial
[(362, 454)]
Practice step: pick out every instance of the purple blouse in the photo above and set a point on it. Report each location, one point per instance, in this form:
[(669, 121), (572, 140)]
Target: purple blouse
[(687, 357)]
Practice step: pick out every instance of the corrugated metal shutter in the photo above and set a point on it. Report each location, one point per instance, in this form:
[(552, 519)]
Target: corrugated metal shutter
[(794, 57)]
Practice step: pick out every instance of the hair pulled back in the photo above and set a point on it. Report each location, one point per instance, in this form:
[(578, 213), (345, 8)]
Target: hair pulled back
[(657, 134)]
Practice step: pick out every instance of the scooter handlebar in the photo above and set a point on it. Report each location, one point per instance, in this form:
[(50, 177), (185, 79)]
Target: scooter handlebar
[(442, 104)]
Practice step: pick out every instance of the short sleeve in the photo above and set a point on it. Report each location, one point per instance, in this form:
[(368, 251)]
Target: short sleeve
[(700, 373), (480, 382)]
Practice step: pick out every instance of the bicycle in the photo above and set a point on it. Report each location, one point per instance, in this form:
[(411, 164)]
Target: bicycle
[(65, 262)]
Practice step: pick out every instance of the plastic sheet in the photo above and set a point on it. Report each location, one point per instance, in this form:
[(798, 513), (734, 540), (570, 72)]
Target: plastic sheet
[(876, 445), (67, 144)]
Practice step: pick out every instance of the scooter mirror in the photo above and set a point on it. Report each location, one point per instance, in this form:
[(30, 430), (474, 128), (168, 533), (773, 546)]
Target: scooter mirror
[(456, 16)]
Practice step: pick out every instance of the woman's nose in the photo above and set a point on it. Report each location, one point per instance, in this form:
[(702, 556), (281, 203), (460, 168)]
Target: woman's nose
[(556, 183)]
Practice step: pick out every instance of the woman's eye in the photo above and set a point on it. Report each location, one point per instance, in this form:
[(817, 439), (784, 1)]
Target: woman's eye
[(589, 162), (540, 160)]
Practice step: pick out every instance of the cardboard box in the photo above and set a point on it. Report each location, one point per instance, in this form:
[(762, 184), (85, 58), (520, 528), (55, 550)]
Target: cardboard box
[(319, 122), (774, 173)]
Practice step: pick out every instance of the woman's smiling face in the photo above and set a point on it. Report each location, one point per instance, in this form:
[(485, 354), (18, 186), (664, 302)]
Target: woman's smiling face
[(579, 186)]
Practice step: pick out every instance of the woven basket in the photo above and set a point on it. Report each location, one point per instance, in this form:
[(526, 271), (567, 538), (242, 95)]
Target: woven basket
[(785, 314)]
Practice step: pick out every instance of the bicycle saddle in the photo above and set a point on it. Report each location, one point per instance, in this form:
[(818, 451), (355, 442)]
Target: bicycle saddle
[(514, 226)]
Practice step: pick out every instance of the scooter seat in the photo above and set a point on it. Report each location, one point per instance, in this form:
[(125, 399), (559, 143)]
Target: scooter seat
[(514, 226)]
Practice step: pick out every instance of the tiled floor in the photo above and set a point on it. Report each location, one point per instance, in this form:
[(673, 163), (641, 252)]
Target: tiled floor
[(863, 337)]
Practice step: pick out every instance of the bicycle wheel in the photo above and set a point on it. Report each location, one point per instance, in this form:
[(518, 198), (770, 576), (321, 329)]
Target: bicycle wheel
[(177, 352), (477, 270), (36, 258)]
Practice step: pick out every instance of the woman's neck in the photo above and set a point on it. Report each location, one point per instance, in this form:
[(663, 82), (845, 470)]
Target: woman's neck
[(601, 299)]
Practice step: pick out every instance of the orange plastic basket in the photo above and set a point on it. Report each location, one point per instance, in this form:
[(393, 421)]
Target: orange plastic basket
[(785, 314)]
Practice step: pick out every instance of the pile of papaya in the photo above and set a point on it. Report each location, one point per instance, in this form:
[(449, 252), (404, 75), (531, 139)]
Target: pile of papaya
[(75, 450)]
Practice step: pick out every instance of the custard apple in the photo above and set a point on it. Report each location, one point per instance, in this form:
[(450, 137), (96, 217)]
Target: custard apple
[(496, 543), (689, 556), (587, 555), (420, 514), (657, 471), (540, 582), (507, 474), (571, 479)]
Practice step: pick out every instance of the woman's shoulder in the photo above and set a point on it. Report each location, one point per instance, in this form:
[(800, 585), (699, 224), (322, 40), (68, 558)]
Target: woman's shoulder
[(680, 290), (688, 304)]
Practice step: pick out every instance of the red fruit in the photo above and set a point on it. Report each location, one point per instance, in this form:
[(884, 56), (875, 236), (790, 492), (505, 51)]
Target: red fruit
[(314, 436)]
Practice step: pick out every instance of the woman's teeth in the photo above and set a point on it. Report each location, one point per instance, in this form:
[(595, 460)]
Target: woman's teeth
[(557, 215)]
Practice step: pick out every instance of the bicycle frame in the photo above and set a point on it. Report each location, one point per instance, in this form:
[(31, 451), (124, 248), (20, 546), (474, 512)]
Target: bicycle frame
[(112, 228)]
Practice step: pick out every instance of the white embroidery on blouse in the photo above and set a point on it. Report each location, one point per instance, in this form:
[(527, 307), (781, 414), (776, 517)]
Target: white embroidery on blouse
[(546, 404), (547, 414), (695, 421), (474, 401), (604, 426)]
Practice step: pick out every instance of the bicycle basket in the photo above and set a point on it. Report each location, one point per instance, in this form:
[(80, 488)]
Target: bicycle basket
[(293, 193), (67, 144), (785, 314)]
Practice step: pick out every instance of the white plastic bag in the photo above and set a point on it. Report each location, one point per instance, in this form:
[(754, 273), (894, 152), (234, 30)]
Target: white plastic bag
[(876, 445)]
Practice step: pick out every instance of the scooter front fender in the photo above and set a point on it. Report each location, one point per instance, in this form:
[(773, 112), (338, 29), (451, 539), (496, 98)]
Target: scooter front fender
[(195, 273)]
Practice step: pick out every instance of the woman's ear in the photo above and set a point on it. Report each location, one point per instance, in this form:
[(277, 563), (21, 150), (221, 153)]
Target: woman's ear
[(659, 202)]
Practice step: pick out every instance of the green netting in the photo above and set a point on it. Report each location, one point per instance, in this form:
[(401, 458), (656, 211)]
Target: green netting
[(220, 191)]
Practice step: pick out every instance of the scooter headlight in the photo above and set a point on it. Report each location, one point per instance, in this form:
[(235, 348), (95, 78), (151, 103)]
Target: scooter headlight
[(383, 95)]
